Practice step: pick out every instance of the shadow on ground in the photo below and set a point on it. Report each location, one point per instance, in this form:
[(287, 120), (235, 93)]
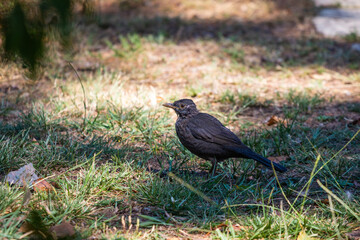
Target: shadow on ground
[(289, 40)]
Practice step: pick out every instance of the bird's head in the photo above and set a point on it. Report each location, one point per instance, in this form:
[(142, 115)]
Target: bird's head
[(183, 107)]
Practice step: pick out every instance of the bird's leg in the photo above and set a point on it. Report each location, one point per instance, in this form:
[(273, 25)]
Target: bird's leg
[(213, 167)]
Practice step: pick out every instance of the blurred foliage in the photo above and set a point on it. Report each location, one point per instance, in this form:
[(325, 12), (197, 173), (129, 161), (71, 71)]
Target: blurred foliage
[(25, 27)]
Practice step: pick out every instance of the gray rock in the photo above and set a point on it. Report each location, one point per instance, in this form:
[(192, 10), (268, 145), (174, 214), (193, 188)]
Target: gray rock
[(341, 3), (23, 176), (337, 22), (355, 47), (340, 13)]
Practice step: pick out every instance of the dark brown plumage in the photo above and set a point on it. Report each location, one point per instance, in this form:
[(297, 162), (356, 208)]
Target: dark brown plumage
[(207, 138)]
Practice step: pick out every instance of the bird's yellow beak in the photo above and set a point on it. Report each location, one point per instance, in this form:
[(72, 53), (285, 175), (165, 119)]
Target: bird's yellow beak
[(169, 105)]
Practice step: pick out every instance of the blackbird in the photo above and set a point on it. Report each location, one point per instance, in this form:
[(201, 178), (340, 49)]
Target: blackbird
[(206, 137)]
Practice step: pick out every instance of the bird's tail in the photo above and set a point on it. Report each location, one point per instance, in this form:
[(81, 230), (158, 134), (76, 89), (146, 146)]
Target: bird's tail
[(248, 153)]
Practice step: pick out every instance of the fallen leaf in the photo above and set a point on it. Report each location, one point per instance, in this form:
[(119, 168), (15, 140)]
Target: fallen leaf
[(354, 235), (41, 185), (236, 227), (221, 225), (34, 141), (323, 201), (34, 226), (275, 120), (25, 227), (278, 158), (55, 185), (62, 230), (303, 236)]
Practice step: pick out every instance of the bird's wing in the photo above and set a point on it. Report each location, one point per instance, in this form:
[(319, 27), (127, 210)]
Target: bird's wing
[(207, 128)]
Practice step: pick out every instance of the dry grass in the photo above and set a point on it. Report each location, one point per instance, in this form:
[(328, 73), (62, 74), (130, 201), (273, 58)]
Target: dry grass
[(242, 61)]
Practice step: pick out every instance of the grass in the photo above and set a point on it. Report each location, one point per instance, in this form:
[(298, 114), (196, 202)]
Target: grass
[(111, 151), (130, 46), (303, 102), (115, 167)]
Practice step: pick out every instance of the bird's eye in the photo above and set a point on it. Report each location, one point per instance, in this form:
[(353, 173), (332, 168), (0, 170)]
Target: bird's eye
[(182, 106)]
